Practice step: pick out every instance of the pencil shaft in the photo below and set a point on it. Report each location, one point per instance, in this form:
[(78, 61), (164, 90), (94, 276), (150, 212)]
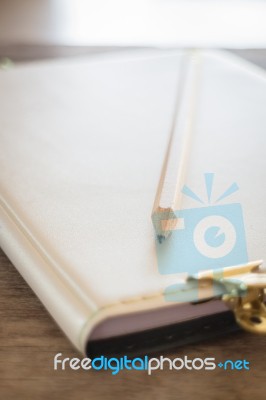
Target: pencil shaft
[(168, 197)]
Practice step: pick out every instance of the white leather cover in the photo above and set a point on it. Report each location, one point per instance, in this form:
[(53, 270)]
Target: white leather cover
[(81, 149)]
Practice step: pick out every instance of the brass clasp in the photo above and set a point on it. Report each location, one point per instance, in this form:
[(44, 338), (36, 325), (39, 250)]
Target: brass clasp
[(244, 293)]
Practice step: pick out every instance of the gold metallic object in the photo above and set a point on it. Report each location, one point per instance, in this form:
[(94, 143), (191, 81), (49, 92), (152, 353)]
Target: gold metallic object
[(244, 293), (250, 309)]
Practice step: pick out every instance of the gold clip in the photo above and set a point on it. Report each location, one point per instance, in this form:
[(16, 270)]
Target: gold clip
[(244, 293), (250, 309)]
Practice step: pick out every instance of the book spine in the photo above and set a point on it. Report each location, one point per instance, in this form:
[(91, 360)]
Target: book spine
[(66, 308)]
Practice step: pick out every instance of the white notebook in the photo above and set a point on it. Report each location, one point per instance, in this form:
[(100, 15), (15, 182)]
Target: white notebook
[(82, 144)]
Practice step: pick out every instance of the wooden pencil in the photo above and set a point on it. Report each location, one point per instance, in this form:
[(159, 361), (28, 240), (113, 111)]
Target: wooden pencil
[(168, 196)]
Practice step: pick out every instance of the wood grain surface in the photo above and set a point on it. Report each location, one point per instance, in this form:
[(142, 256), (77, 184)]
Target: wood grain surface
[(29, 339)]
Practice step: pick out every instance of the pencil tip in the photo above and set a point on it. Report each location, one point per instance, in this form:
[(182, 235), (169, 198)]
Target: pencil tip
[(160, 238)]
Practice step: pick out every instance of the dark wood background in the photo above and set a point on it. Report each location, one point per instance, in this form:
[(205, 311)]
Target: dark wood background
[(29, 338)]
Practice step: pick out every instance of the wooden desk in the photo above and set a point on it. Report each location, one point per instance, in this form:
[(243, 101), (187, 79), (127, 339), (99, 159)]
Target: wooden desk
[(29, 338)]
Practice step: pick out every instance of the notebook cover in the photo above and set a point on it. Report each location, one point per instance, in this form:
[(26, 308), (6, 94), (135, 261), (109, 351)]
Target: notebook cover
[(82, 144)]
